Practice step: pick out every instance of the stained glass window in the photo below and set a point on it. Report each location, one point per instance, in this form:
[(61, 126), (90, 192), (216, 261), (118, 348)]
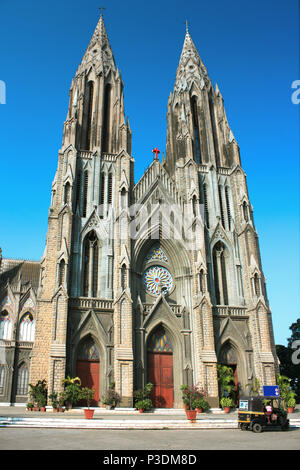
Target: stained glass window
[(5, 325), (88, 350), (159, 341), (27, 328), (157, 280), (156, 253)]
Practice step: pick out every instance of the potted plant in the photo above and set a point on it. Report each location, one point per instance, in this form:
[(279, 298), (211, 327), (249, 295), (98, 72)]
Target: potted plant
[(143, 405), (189, 396), (29, 406), (226, 403), (54, 401), (42, 401), (201, 405), (61, 401), (88, 394), (72, 390), (38, 393), (291, 403), (111, 398)]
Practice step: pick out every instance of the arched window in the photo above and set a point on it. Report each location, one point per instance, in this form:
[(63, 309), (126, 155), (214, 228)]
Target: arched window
[(22, 379), (201, 281), (90, 265), (27, 328), (85, 193), (220, 277), (206, 213), (61, 272), (228, 206), (67, 193), (2, 379), (102, 195), (109, 189), (87, 114), (106, 118), (197, 151), (256, 285), (123, 277), (123, 198), (194, 202), (221, 206), (5, 325), (245, 211), (78, 189)]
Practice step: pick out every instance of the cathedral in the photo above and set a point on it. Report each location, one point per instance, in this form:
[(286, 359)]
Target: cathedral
[(158, 280)]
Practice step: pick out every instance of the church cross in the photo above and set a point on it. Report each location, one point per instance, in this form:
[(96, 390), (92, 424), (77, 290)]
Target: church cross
[(101, 9), (156, 151)]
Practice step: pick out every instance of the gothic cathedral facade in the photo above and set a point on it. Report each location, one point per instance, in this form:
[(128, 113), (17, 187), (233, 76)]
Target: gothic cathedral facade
[(159, 280)]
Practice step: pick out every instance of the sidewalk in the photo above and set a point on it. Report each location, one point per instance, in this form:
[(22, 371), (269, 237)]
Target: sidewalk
[(123, 418)]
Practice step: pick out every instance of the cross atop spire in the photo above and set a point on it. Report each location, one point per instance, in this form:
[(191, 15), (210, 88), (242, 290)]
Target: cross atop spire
[(101, 9)]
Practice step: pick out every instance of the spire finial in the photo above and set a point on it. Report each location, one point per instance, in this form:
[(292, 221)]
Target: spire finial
[(101, 10), (186, 26)]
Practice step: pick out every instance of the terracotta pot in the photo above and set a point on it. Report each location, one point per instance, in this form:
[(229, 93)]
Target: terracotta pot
[(141, 410), (43, 408), (199, 410), (35, 408), (226, 409), (60, 409), (191, 414), (290, 409), (55, 410), (88, 413)]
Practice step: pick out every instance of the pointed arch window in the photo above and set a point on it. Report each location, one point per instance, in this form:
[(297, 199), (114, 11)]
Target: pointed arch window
[(256, 285), (67, 193), (228, 206), (90, 265), (61, 272), (194, 202), (221, 205), (201, 281), (22, 380), (197, 150), (85, 193), (27, 328), (2, 379), (245, 211), (87, 114), (206, 213), (123, 198), (106, 118), (123, 277), (220, 277), (78, 189), (109, 189), (5, 325)]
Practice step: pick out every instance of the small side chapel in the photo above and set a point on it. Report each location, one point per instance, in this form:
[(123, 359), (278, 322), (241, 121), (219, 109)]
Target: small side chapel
[(156, 280)]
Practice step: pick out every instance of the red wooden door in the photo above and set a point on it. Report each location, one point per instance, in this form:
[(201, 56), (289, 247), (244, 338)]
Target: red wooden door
[(88, 371), (160, 373)]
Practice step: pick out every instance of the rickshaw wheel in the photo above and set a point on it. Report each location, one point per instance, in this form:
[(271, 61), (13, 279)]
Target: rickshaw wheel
[(257, 427), (244, 426)]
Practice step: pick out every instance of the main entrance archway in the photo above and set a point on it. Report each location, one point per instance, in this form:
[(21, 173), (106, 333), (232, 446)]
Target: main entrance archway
[(88, 366), (160, 368), (228, 358)]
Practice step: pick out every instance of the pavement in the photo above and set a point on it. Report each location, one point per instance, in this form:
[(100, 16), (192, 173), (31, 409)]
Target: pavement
[(123, 418)]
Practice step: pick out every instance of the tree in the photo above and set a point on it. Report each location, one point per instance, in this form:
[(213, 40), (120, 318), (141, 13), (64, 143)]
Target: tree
[(289, 357)]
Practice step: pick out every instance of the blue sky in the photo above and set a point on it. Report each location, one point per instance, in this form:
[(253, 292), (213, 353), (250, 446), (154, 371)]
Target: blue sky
[(250, 49)]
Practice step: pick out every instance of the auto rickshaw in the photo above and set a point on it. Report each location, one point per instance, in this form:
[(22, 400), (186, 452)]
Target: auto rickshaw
[(261, 413)]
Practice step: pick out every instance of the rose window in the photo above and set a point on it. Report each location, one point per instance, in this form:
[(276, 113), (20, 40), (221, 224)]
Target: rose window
[(157, 280)]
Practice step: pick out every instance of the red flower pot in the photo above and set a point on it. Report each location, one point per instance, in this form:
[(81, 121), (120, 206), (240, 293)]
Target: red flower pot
[(199, 410), (141, 410), (226, 409), (191, 414), (88, 413), (290, 409)]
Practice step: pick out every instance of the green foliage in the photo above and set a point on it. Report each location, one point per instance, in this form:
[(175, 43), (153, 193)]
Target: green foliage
[(38, 393), (111, 398), (54, 399), (145, 404), (142, 393), (71, 394), (226, 380), (226, 401), (192, 396), (87, 394), (287, 357), (254, 387)]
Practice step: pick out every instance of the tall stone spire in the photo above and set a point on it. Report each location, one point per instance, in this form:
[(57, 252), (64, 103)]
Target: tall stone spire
[(99, 52)]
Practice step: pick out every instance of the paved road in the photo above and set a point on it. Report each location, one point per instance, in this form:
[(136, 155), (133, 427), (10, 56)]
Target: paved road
[(76, 439)]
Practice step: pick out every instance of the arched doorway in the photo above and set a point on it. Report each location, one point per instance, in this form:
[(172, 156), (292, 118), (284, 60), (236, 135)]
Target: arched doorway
[(160, 368), (88, 366), (228, 358)]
